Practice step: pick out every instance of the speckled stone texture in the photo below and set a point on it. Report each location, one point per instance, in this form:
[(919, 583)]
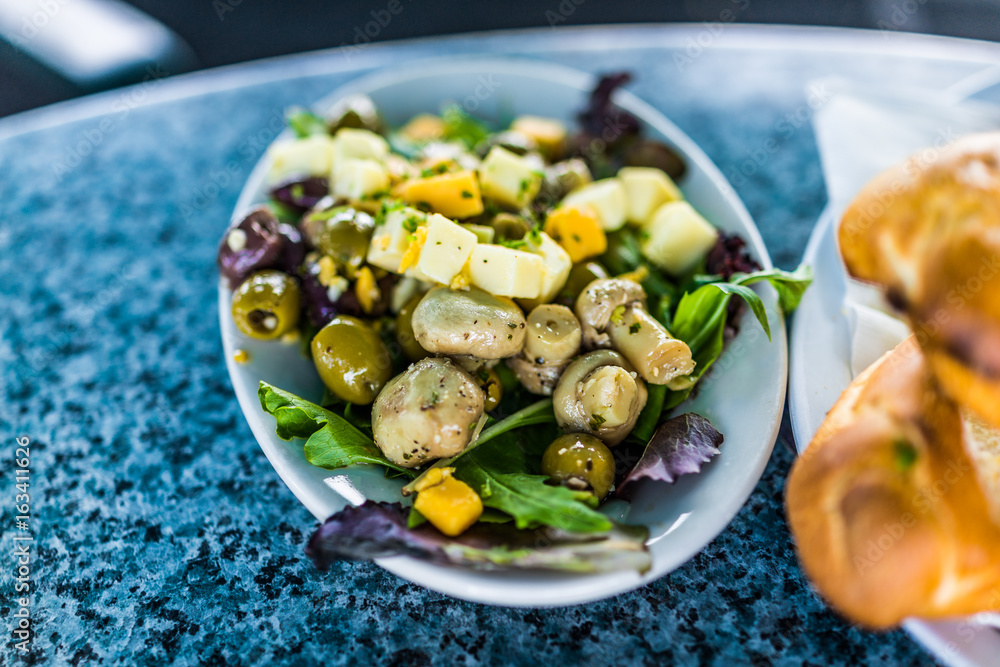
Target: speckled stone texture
[(163, 534)]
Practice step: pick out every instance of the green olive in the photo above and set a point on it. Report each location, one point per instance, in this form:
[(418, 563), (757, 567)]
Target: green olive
[(510, 226), (404, 330), (342, 233), (580, 461), (492, 387), (352, 360), (266, 305), (580, 276)]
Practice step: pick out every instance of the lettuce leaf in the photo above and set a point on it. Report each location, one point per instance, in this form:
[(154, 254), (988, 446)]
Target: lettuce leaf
[(332, 441), (378, 530), (498, 472), (305, 123), (679, 447)]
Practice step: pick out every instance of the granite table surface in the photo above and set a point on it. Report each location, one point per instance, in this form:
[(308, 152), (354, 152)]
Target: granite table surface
[(161, 532)]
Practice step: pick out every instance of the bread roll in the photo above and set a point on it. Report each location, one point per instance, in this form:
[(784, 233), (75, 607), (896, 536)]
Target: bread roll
[(928, 231), (886, 506)]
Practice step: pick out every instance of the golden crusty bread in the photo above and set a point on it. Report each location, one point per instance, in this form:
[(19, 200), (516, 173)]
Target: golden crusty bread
[(888, 513), (928, 231)]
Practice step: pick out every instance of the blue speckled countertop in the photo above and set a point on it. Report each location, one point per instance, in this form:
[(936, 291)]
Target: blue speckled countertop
[(161, 532)]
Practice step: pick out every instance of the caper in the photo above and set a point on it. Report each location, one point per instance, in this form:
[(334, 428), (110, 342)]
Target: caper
[(266, 305), (580, 276), (404, 330), (580, 461), (492, 387), (351, 359), (342, 233)]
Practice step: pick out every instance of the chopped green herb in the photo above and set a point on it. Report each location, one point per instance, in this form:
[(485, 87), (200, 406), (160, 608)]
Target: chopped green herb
[(466, 194), (510, 336), (411, 224), (905, 454), (596, 420), (511, 325), (634, 328)]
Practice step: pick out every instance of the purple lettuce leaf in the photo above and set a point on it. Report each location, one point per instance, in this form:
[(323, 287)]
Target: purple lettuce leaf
[(377, 530), (679, 447)]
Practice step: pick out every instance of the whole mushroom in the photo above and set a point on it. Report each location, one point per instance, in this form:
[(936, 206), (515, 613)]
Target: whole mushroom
[(428, 412), (468, 322), (552, 340), (599, 394), (613, 313)]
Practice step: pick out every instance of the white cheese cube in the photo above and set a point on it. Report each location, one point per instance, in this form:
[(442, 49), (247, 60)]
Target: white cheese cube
[(392, 237), (310, 156), (445, 251), (606, 198), (508, 178), (556, 266), (357, 179), (646, 189), (678, 238), (353, 144), (506, 272)]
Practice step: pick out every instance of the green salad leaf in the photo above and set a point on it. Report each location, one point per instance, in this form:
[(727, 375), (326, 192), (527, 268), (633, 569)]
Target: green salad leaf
[(461, 126), (305, 123), (332, 442), (498, 473)]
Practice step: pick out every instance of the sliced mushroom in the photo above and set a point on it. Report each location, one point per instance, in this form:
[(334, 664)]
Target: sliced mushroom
[(554, 334), (553, 339), (428, 412), (539, 379), (598, 301), (469, 322), (613, 313), (599, 394)]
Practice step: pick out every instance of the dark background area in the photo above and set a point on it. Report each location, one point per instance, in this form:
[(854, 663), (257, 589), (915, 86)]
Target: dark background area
[(221, 32)]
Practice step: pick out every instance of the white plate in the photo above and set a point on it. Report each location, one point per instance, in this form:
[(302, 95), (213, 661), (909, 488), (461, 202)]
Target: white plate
[(743, 397), (820, 371)]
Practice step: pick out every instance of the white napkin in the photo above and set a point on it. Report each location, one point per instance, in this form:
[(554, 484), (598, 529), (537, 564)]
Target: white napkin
[(861, 132)]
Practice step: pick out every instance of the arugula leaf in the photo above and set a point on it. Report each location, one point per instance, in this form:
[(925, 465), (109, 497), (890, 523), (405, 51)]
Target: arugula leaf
[(376, 530), (332, 441), (789, 286), (305, 123), (495, 473), (650, 415)]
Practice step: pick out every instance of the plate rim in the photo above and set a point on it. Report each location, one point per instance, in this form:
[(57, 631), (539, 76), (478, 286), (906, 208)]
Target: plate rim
[(618, 583)]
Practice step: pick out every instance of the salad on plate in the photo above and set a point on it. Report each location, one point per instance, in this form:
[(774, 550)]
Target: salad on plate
[(506, 318)]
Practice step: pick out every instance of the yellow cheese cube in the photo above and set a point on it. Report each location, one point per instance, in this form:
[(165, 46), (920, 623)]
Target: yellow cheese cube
[(354, 144), (556, 266), (508, 178), (449, 504), (424, 127), (578, 231), (646, 189), (678, 238), (445, 251), (548, 133), (506, 272), (359, 179), (607, 199), (455, 195), (311, 156), (391, 239)]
